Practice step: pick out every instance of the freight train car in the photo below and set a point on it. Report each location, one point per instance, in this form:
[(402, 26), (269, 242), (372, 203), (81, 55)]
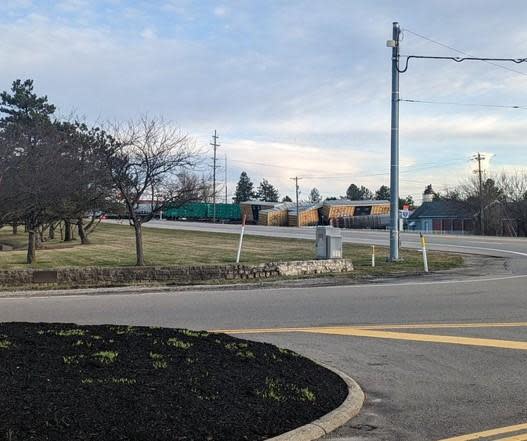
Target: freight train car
[(204, 211)]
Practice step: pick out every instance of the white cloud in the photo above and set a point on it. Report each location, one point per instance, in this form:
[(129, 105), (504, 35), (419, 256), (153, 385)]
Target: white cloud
[(220, 11)]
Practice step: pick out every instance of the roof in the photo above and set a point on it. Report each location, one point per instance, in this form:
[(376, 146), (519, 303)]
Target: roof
[(256, 202), (358, 203), (304, 207), (443, 209)]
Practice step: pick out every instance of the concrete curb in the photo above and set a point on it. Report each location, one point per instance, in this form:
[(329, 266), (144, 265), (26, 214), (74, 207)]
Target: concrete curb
[(332, 420)]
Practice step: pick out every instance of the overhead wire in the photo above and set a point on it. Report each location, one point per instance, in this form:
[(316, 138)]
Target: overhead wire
[(459, 51), (463, 104)]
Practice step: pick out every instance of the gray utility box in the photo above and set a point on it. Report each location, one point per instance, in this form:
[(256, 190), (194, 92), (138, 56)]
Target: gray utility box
[(328, 243)]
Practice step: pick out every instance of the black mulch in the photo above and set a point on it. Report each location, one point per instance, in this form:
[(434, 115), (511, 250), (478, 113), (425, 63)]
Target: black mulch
[(70, 382)]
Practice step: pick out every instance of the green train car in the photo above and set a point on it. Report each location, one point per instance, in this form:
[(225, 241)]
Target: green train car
[(204, 211)]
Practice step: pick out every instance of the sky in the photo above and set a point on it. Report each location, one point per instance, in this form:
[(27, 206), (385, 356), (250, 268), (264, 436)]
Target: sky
[(293, 88)]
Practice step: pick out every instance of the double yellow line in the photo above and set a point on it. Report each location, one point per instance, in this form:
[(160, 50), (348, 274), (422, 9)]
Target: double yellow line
[(380, 331), (495, 432)]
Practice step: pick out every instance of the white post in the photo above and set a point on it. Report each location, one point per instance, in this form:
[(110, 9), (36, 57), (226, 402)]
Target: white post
[(423, 249), (373, 256), (241, 240)]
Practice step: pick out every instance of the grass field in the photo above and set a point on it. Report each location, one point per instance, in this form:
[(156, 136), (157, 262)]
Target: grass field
[(113, 245)]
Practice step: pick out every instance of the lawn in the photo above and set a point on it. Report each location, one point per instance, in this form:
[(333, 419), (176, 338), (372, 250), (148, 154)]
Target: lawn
[(114, 245)]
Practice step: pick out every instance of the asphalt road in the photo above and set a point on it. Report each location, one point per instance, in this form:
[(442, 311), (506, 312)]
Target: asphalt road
[(423, 382)]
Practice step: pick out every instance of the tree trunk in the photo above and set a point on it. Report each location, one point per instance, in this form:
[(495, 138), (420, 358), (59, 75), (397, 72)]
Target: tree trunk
[(51, 232), (31, 256), (67, 231), (39, 239), (15, 228), (139, 243), (82, 233)]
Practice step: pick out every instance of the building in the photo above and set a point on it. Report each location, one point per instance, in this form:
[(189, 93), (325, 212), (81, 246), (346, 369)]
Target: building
[(442, 216)]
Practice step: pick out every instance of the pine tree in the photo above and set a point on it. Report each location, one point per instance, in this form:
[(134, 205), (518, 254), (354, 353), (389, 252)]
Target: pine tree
[(287, 199), (314, 196), (266, 192), (354, 193), (244, 189), (383, 193)]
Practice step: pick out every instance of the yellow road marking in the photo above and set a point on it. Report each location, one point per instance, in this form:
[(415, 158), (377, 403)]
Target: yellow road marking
[(430, 338), (446, 325), (522, 437), (381, 326), (493, 432), (365, 331)]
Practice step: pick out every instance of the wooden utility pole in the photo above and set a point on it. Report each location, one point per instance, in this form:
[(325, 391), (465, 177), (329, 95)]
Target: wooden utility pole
[(226, 193), (296, 179), (214, 144), (479, 171)]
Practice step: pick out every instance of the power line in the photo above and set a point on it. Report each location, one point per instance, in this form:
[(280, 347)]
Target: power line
[(462, 104), (465, 53)]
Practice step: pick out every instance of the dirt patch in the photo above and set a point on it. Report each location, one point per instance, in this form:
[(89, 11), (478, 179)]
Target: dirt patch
[(64, 381)]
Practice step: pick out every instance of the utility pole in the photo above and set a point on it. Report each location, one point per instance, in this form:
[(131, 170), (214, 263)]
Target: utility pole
[(394, 162), (296, 179), (479, 171), (226, 193), (214, 144)]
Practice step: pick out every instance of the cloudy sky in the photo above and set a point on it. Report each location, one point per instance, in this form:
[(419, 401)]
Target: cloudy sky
[(292, 87)]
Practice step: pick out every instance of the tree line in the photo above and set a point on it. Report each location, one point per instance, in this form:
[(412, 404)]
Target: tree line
[(268, 193), (54, 172)]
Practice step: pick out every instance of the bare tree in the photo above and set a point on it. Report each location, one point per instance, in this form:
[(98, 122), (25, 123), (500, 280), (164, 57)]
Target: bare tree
[(149, 160)]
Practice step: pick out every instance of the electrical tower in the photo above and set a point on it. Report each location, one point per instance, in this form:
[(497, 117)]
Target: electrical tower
[(215, 145)]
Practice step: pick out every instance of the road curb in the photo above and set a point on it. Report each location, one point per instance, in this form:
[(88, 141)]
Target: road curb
[(332, 420)]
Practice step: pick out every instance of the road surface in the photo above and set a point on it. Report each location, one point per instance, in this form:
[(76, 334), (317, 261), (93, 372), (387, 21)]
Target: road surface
[(437, 359)]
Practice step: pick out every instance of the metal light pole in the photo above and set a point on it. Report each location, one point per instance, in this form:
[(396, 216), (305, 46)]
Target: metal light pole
[(394, 162)]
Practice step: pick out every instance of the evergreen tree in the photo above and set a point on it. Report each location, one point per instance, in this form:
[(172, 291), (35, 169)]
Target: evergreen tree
[(287, 199), (354, 193), (365, 193), (266, 192), (314, 196), (383, 193), (244, 189)]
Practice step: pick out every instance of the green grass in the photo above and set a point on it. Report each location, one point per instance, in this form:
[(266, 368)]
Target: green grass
[(113, 245)]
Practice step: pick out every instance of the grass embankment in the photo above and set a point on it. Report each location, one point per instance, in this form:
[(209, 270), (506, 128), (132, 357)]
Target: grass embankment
[(116, 383), (114, 245)]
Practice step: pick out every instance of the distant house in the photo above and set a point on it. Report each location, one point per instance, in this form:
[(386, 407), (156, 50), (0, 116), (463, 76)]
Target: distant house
[(442, 216)]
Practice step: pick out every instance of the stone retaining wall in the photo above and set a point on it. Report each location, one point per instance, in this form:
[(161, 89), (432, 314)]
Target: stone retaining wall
[(94, 276)]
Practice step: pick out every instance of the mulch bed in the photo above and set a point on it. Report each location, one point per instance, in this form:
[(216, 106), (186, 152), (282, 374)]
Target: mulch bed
[(71, 382)]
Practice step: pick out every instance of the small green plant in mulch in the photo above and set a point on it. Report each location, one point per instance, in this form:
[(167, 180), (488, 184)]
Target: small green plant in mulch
[(180, 344), (64, 332), (158, 360), (112, 380), (106, 357), (190, 333), (120, 330), (241, 350), (5, 344), (72, 359), (277, 391), (272, 391)]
